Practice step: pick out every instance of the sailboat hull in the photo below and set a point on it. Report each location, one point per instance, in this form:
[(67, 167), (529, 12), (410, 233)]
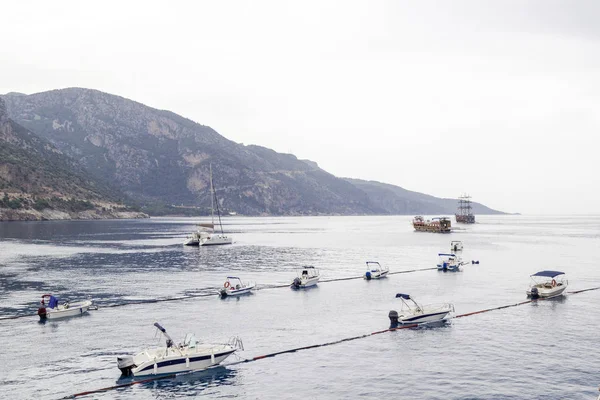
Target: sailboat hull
[(215, 240)]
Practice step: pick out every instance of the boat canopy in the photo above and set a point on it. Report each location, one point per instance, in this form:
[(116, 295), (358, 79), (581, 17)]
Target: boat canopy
[(446, 255), (548, 274), (372, 262), (403, 296), (53, 302), (233, 277)]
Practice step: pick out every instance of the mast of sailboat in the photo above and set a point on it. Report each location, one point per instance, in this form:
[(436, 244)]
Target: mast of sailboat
[(212, 197), (213, 200)]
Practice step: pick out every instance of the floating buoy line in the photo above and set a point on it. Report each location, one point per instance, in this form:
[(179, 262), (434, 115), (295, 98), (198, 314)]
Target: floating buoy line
[(194, 296), (314, 346)]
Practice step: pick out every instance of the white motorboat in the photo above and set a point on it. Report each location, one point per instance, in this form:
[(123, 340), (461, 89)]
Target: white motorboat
[(449, 262), (375, 271), (456, 245), (205, 235), (172, 359), (414, 313), (54, 310), (547, 284), (307, 276), (234, 286)]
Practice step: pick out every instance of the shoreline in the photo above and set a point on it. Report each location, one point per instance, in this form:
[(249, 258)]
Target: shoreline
[(9, 215)]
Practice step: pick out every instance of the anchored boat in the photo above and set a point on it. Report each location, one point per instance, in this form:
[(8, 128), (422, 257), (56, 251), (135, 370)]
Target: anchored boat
[(547, 284), (436, 225), (375, 271), (205, 235), (449, 262), (234, 286), (307, 276), (54, 310), (456, 245), (188, 356), (464, 214), (413, 313)]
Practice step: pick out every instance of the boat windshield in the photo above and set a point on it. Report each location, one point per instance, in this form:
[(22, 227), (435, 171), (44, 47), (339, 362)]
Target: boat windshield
[(190, 340)]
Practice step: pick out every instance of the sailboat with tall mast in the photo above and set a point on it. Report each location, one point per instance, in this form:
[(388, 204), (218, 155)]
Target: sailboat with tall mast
[(205, 235)]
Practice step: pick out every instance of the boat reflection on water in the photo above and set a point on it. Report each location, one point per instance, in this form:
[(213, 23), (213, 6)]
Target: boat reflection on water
[(189, 383)]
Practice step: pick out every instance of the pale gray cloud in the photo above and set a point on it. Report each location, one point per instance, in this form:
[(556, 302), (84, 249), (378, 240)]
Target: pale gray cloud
[(498, 98)]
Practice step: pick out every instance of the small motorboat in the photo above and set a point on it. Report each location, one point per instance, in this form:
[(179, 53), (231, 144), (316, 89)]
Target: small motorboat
[(456, 245), (307, 276), (234, 286), (54, 310), (172, 359), (414, 313), (375, 271), (547, 284), (449, 262)]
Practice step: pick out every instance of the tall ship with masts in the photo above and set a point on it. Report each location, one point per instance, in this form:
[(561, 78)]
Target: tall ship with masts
[(205, 235), (464, 213)]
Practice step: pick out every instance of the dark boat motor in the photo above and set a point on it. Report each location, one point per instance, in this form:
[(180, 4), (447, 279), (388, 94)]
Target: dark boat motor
[(297, 282), (393, 315), (126, 364), (534, 293), (368, 275)]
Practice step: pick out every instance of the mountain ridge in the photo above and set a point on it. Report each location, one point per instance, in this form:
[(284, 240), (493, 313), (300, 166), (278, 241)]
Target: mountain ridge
[(161, 159)]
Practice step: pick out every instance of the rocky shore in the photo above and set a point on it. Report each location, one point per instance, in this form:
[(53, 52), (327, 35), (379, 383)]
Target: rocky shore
[(50, 215)]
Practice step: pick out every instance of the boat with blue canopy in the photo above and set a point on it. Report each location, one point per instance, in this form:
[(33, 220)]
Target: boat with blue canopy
[(546, 284), (412, 312), (375, 271), (449, 262)]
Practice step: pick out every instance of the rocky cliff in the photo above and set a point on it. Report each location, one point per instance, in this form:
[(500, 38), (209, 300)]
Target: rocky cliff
[(37, 181)]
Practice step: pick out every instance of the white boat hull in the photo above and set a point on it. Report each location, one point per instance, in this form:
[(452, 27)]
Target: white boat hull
[(236, 292), (74, 309), (544, 292), (423, 318), (215, 240), (177, 363), (306, 282)]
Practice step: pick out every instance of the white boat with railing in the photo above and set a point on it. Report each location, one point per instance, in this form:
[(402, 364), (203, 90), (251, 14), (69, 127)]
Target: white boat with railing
[(413, 313), (307, 276), (187, 356), (234, 286), (54, 310), (375, 271), (547, 284), (449, 262), (202, 231), (456, 245)]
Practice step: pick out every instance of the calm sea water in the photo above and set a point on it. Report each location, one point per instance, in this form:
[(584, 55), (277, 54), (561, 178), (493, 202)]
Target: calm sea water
[(545, 350)]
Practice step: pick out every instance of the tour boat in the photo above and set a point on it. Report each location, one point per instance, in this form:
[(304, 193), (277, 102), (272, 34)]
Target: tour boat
[(234, 286), (547, 284), (172, 359), (54, 310), (438, 225), (456, 245), (307, 276), (414, 313), (449, 262), (375, 271)]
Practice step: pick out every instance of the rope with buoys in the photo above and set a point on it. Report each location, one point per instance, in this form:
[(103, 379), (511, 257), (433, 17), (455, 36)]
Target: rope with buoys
[(153, 379), (194, 296)]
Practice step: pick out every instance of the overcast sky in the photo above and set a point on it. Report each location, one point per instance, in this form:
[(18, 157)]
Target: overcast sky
[(497, 98)]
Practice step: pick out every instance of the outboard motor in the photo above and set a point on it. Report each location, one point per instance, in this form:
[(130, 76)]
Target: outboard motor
[(296, 283), (368, 275), (393, 315), (534, 293), (126, 364)]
